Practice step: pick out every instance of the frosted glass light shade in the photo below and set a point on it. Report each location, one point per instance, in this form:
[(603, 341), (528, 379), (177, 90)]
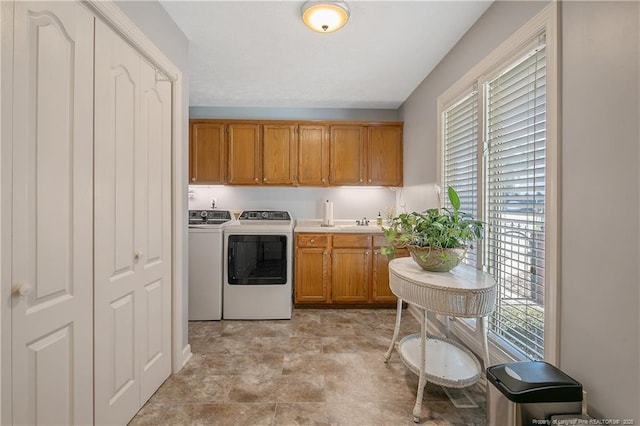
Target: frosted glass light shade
[(325, 16)]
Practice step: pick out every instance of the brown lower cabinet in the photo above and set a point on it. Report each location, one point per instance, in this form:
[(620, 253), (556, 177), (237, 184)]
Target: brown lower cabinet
[(341, 269), (312, 268)]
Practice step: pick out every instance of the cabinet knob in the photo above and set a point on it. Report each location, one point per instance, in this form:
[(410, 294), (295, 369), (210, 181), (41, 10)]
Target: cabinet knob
[(312, 241), (369, 180), (255, 179), (21, 290), (323, 180), (193, 179), (264, 179), (360, 180), (137, 255)]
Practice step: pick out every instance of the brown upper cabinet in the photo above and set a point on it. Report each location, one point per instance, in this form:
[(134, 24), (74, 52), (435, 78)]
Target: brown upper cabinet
[(207, 153), (347, 155), (313, 155), (384, 155), (248, 152), (262, 154), (366, 155), (279, 154), (245, 167)]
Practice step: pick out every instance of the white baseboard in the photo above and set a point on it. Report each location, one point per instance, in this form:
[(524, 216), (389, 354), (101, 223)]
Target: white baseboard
[(186, 355)]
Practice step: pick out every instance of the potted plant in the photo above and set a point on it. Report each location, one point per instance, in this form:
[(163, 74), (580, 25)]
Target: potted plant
[(437, 239)]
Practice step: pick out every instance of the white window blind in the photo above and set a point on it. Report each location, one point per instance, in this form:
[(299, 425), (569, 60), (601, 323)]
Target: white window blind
[(514, 200), (460, 156)]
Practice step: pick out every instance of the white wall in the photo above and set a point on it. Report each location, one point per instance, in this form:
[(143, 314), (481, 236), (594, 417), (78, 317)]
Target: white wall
[(301, 202), (343, 114), (600, 186), (154, 21), (3, 220), (419, 110), (600, 279)]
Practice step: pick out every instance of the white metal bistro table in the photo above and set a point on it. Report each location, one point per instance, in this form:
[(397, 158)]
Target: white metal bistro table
[(463, 292)]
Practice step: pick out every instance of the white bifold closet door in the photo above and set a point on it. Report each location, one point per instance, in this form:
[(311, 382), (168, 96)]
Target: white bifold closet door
[(52, 215), (132, 229)]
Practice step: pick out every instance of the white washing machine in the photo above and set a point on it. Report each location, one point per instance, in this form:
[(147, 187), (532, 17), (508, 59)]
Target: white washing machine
[(258, 266), (206, 262)]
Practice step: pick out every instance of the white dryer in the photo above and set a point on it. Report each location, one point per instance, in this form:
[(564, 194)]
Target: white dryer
[(258, 266)]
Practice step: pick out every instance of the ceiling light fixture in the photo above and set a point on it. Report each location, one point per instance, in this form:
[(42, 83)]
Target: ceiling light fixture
[(325, 16)]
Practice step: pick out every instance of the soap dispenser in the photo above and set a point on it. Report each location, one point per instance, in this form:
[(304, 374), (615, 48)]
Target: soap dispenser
[(379, 219)]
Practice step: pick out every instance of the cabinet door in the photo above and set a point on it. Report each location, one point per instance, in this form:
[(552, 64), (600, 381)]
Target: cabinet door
[(347, 155), (207, 153), (380, 276), (245, 167), (51, 165), (384, 155), (312, 274), (279, 154), (313, 156), (350, 275), (312, 268)]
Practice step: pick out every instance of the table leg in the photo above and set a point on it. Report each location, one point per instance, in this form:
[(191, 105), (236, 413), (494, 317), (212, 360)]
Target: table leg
[(396, 331), (422, 381), (447, 326), (483, 329)]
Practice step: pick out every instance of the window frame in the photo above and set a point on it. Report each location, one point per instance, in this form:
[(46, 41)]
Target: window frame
[(523, 40)]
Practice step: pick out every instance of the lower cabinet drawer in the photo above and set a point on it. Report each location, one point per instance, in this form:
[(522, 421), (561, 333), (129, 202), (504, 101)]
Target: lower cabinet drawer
[(312, 240), (351, 240)]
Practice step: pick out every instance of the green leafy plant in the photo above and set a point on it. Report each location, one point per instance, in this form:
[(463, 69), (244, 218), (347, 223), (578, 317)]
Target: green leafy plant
[(436, 228)]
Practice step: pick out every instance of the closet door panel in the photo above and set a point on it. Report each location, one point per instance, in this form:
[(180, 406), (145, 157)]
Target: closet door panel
[(155, 220), (52, 214), (118, 257), (132, 229)]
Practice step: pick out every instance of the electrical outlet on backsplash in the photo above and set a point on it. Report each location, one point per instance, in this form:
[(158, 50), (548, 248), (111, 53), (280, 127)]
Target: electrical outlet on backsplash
[(201, 197)]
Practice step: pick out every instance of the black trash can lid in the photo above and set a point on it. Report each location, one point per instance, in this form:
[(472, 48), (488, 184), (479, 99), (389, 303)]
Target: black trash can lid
[(534, 381)]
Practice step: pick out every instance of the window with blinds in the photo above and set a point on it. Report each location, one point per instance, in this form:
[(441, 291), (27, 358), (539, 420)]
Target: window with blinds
[(500, 178), (460, 156), (514, 200)]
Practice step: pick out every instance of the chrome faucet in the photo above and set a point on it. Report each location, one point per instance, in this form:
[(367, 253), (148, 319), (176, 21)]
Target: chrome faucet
[(362, 222)]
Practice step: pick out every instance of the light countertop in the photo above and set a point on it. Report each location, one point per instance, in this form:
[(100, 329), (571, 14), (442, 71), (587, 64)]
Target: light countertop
[(340, 226)]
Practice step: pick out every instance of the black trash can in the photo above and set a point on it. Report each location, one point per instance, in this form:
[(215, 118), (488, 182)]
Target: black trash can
[(522, 393)]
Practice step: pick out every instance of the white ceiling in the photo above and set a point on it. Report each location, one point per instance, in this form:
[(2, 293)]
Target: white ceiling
[(260, 54)]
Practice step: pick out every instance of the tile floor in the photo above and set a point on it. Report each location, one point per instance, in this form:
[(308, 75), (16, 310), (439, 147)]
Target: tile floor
[(322, 367)]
